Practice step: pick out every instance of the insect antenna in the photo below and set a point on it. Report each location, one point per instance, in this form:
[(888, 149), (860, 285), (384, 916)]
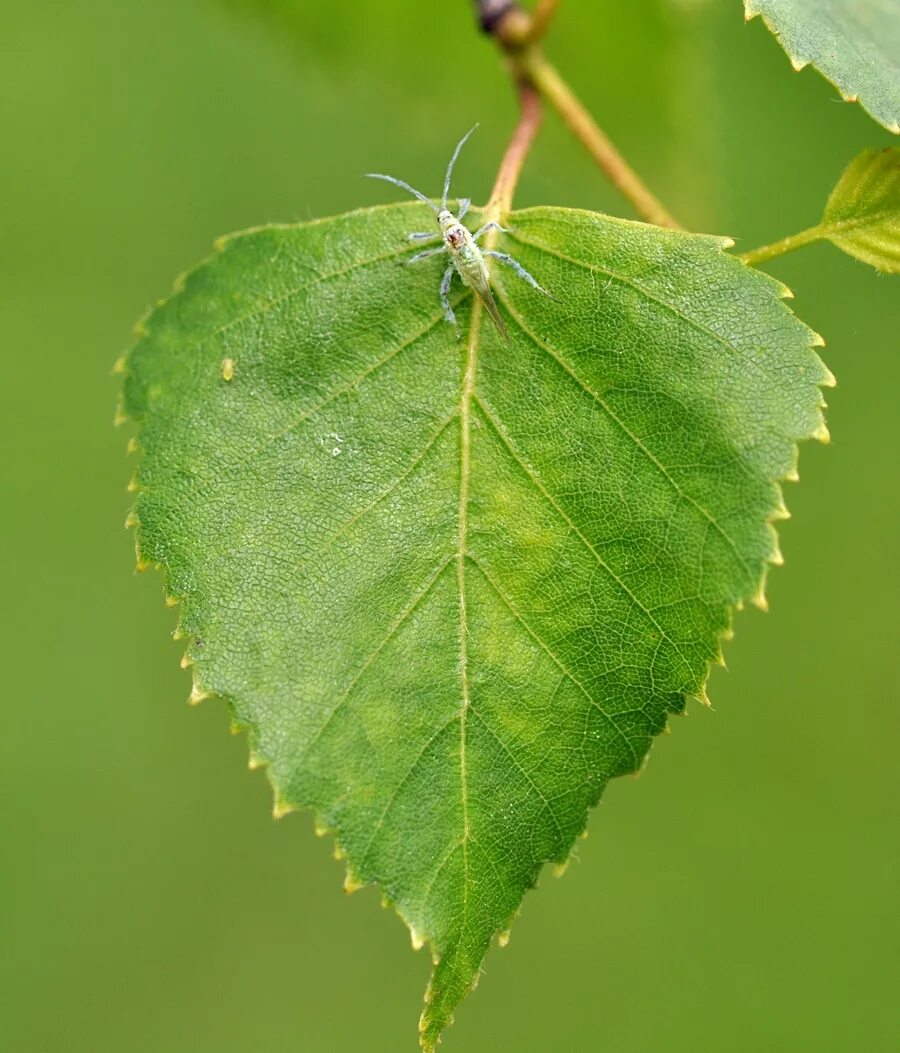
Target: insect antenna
[(459, 146), (405, 186)]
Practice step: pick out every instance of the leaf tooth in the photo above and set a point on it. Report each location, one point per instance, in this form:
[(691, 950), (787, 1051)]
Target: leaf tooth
[(503, 938), (558, 870), (197, 695), (133, 484), (132, 445), (703, 698), (120, 417), (281, 808), (119, 365), (822, 434), (186, 661), (321, 829), (131, 520), (255, 761), (758, 599), (353, 884), (141, 565)]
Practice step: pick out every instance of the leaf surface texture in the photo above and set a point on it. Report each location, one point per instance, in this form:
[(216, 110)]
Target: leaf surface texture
[(454, 587), (853, 43)]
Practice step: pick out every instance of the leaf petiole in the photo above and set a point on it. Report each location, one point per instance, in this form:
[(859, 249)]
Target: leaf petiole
[(779, 248)]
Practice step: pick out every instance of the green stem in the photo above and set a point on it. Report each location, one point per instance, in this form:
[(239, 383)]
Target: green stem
[(779, 248), (532, 64), (541, 16), (517, 32)]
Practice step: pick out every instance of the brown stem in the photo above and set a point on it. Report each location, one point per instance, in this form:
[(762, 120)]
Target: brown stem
[(518, 149)]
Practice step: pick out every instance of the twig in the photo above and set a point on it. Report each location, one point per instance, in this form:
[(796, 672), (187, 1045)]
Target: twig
[(594, 139), (541, 17), (516, 31), (516, 152)]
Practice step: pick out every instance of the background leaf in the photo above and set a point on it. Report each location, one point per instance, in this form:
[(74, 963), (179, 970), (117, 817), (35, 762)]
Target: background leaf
[(862, 216), (450, 610), (854, 43)]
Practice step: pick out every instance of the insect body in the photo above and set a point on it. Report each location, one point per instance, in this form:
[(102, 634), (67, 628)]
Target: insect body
[(466, 258)]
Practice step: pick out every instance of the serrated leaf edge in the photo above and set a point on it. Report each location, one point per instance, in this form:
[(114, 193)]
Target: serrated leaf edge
[(751, 11), (257, 761)]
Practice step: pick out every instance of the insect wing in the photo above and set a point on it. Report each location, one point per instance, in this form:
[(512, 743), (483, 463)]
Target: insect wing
[(482, 289)]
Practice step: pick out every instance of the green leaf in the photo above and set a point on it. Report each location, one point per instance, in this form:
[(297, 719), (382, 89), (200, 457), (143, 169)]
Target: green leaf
[(862, 216), (853, 43), (453, 587)]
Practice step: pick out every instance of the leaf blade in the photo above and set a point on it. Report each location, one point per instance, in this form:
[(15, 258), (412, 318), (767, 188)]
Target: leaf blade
[(862, 215), (854, 44), (435, 580)]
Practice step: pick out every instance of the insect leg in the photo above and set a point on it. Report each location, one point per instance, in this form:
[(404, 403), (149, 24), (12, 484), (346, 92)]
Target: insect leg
[(445, 296), (424, 235), (464, 203), (426, 254), (489, 226), (505, 257)]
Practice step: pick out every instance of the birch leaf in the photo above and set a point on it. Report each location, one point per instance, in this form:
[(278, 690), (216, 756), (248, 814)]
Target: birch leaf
[(853, 43), (451, 588)]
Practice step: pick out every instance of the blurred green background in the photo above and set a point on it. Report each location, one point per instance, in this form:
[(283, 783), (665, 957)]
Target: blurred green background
[(742, 894)]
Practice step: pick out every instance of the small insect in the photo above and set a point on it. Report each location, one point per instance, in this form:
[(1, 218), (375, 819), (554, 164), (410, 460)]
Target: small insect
[(466, 258), (227, 368)]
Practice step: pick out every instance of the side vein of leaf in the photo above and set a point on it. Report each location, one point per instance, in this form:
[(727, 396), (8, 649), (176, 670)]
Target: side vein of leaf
[(379, 822), (535, 481), (429, 885), (698, 327), (270, 305), (407, 472), (556, 660), (515, 761), (349, 385), (636, 439), (392, 632)]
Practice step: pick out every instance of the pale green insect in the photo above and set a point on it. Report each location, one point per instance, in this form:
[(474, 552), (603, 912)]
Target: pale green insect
[(466, 258)]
